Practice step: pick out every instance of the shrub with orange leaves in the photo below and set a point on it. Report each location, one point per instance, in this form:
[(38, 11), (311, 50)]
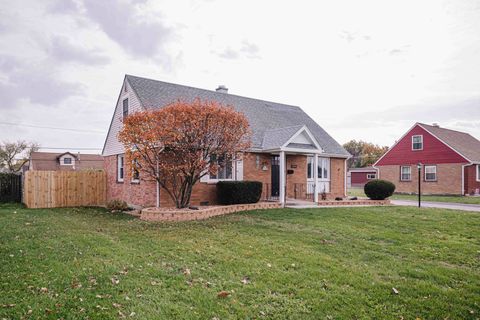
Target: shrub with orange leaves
[(173, 145)]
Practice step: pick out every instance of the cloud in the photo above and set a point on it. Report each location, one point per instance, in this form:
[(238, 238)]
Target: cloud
[(62, 50), (63, 7), (246, 49), (456, 113), (229, 53), (35, 82), (137, 35)]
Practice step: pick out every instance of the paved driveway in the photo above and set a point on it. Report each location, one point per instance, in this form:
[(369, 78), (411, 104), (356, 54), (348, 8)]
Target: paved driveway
[(442, 205)]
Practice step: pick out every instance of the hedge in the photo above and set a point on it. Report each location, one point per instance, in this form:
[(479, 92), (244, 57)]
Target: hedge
[(379, 189), (238, 192)]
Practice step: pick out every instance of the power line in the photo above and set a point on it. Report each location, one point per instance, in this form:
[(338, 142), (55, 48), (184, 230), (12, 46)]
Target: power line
[(59, 148), (48, 127)]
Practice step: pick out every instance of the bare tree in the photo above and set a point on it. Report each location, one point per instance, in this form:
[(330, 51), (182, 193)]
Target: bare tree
[(13, 155)]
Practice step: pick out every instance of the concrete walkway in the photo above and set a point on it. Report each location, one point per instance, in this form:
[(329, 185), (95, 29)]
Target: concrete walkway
[(441, 205)]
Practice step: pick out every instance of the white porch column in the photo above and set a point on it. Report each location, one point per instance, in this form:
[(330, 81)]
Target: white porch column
[(283, 179), (315, 177)]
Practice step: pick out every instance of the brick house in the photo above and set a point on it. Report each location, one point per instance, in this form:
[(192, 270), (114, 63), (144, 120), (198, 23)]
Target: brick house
[(450, 161), (65, 161), (357, 177), (286, 145)]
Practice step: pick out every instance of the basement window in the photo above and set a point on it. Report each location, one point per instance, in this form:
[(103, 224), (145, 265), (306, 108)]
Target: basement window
[(430, 173)]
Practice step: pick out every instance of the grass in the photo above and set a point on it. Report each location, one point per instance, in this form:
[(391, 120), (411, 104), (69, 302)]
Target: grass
[(358, 192), (336, 263)]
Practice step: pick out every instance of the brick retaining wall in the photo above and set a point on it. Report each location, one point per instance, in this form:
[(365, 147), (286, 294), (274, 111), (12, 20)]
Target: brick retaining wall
[(157, 214), (365, 202)]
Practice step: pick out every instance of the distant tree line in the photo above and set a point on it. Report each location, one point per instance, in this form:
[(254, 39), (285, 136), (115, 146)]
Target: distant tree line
[(363, 153)]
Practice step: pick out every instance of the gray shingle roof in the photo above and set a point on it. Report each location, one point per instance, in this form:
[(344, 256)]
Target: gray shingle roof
[(274, 138), (263, 116), (462, 142)]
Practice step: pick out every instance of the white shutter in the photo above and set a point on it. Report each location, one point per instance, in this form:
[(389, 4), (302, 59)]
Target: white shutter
[(239, 170)]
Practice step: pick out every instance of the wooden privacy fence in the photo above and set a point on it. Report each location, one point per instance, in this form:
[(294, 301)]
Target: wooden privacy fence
[(51, 189)]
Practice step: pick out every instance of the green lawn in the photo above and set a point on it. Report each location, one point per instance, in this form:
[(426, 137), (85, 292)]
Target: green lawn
[(337, 263), (358, 192)]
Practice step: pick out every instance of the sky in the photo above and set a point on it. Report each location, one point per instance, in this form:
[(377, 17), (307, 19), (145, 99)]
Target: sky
[(362, 69)]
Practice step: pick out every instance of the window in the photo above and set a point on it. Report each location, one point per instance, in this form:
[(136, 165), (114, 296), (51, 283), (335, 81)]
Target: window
[(224, 171), (120, 169), (405, 173), (478, 172), (135, 172), (417, 142), (430, 173), (67, 160), (323, 168), (125, 107), (371, 176)]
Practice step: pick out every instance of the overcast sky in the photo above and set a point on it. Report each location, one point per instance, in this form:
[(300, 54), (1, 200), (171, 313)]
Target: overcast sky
[(362, 69)]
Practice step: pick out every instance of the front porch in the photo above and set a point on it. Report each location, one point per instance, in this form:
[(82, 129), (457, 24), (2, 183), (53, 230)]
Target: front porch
[(292, 177)]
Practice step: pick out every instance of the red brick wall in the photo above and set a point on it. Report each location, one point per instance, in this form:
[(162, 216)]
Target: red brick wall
[(471, 183), (449, 179), (144, 193), (337, 178)]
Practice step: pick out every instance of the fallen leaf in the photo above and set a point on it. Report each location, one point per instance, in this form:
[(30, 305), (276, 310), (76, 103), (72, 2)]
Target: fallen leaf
[(269, 265), (43, 290), (115, 280), (246, 280), (395, 291), (223, 294), (187, 272), (116, 305)]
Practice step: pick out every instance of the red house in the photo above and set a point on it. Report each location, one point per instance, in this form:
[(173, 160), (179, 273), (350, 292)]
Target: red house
[(450, 161), (357, 177)]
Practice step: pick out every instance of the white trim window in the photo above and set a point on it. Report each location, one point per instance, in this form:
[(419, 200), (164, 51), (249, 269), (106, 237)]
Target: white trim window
[(125, 107), (478, 172), (135, 172), (68, 161), (120, 167), (417, 142), (225, 168), (323, 168), (405, 173), (371, 176), (430, 173)]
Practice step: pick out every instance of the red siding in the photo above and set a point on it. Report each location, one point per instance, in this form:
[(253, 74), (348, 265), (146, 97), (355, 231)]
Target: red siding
[(434, 151), (471, 183), (360, 177)]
